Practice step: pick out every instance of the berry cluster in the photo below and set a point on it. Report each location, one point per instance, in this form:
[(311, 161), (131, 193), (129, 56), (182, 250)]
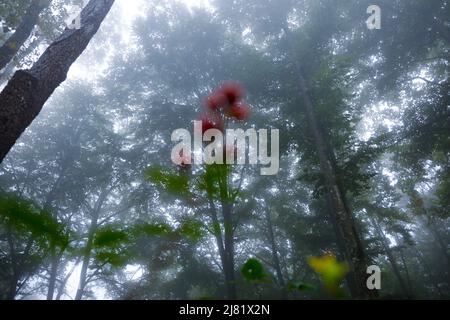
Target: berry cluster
[(224, 102)]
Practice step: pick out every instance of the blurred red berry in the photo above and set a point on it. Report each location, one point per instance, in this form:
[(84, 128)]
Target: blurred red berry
[(209, 123), (233, 91), (239, 111), (216, 100)]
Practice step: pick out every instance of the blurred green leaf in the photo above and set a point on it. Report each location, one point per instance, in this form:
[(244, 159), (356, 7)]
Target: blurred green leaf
[(300, 286), (192, 229), (177, 184), (25, 216), (109, 237), (253, 270)]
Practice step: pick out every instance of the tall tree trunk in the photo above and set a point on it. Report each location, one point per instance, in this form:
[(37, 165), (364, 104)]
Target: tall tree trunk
[(441, 244), (229, 250), (405, 266), (28, 90), (63, 282), (47, 207), (350, 278), (275, 258), (390, 257), (86, 258), (432, 278), (53, 274), (15, 277), (89, 243), (10, 48), (217, 231), (354, 251)]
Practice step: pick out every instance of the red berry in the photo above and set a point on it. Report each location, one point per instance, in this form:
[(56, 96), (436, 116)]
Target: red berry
[(210, 123), (233, 91), (239, 111), (216, 100)]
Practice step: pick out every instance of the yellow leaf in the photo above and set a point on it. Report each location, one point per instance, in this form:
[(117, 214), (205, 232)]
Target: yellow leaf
[(330, 270)]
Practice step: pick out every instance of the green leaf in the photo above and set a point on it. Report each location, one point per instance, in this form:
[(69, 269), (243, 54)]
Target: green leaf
[(300, 286), (152, 229), (112, 258), (253, 270), (25, 216), (109, 237), (177, 184), (192, 229)]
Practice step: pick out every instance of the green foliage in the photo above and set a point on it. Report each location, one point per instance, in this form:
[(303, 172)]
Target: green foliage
[(192, 230), (253, 270), (25, 216), (152, 229), (177, 184), (300, 286), (109, 237), (214, 180)]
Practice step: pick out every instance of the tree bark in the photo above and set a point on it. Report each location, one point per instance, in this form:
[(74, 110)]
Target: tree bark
[(14, 281), (275, 258), (354, 251), (89, 243), (428, 271), (86, 259), (390, 257), (437, 236), (10, 48), (229, 251), (53, 274), (28, 90)]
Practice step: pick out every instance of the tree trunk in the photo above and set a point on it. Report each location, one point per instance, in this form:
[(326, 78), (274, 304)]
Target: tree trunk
[(28, 90), (428, 270), (275, 258), (354, 251), (230, 280), (390, 257), (14, 281), (437, 236), (63, 282), (53, 275), (405, 266), (10, 48), (89, 243), (86, 259), (47, 207), (217, 231), (350, 278)]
